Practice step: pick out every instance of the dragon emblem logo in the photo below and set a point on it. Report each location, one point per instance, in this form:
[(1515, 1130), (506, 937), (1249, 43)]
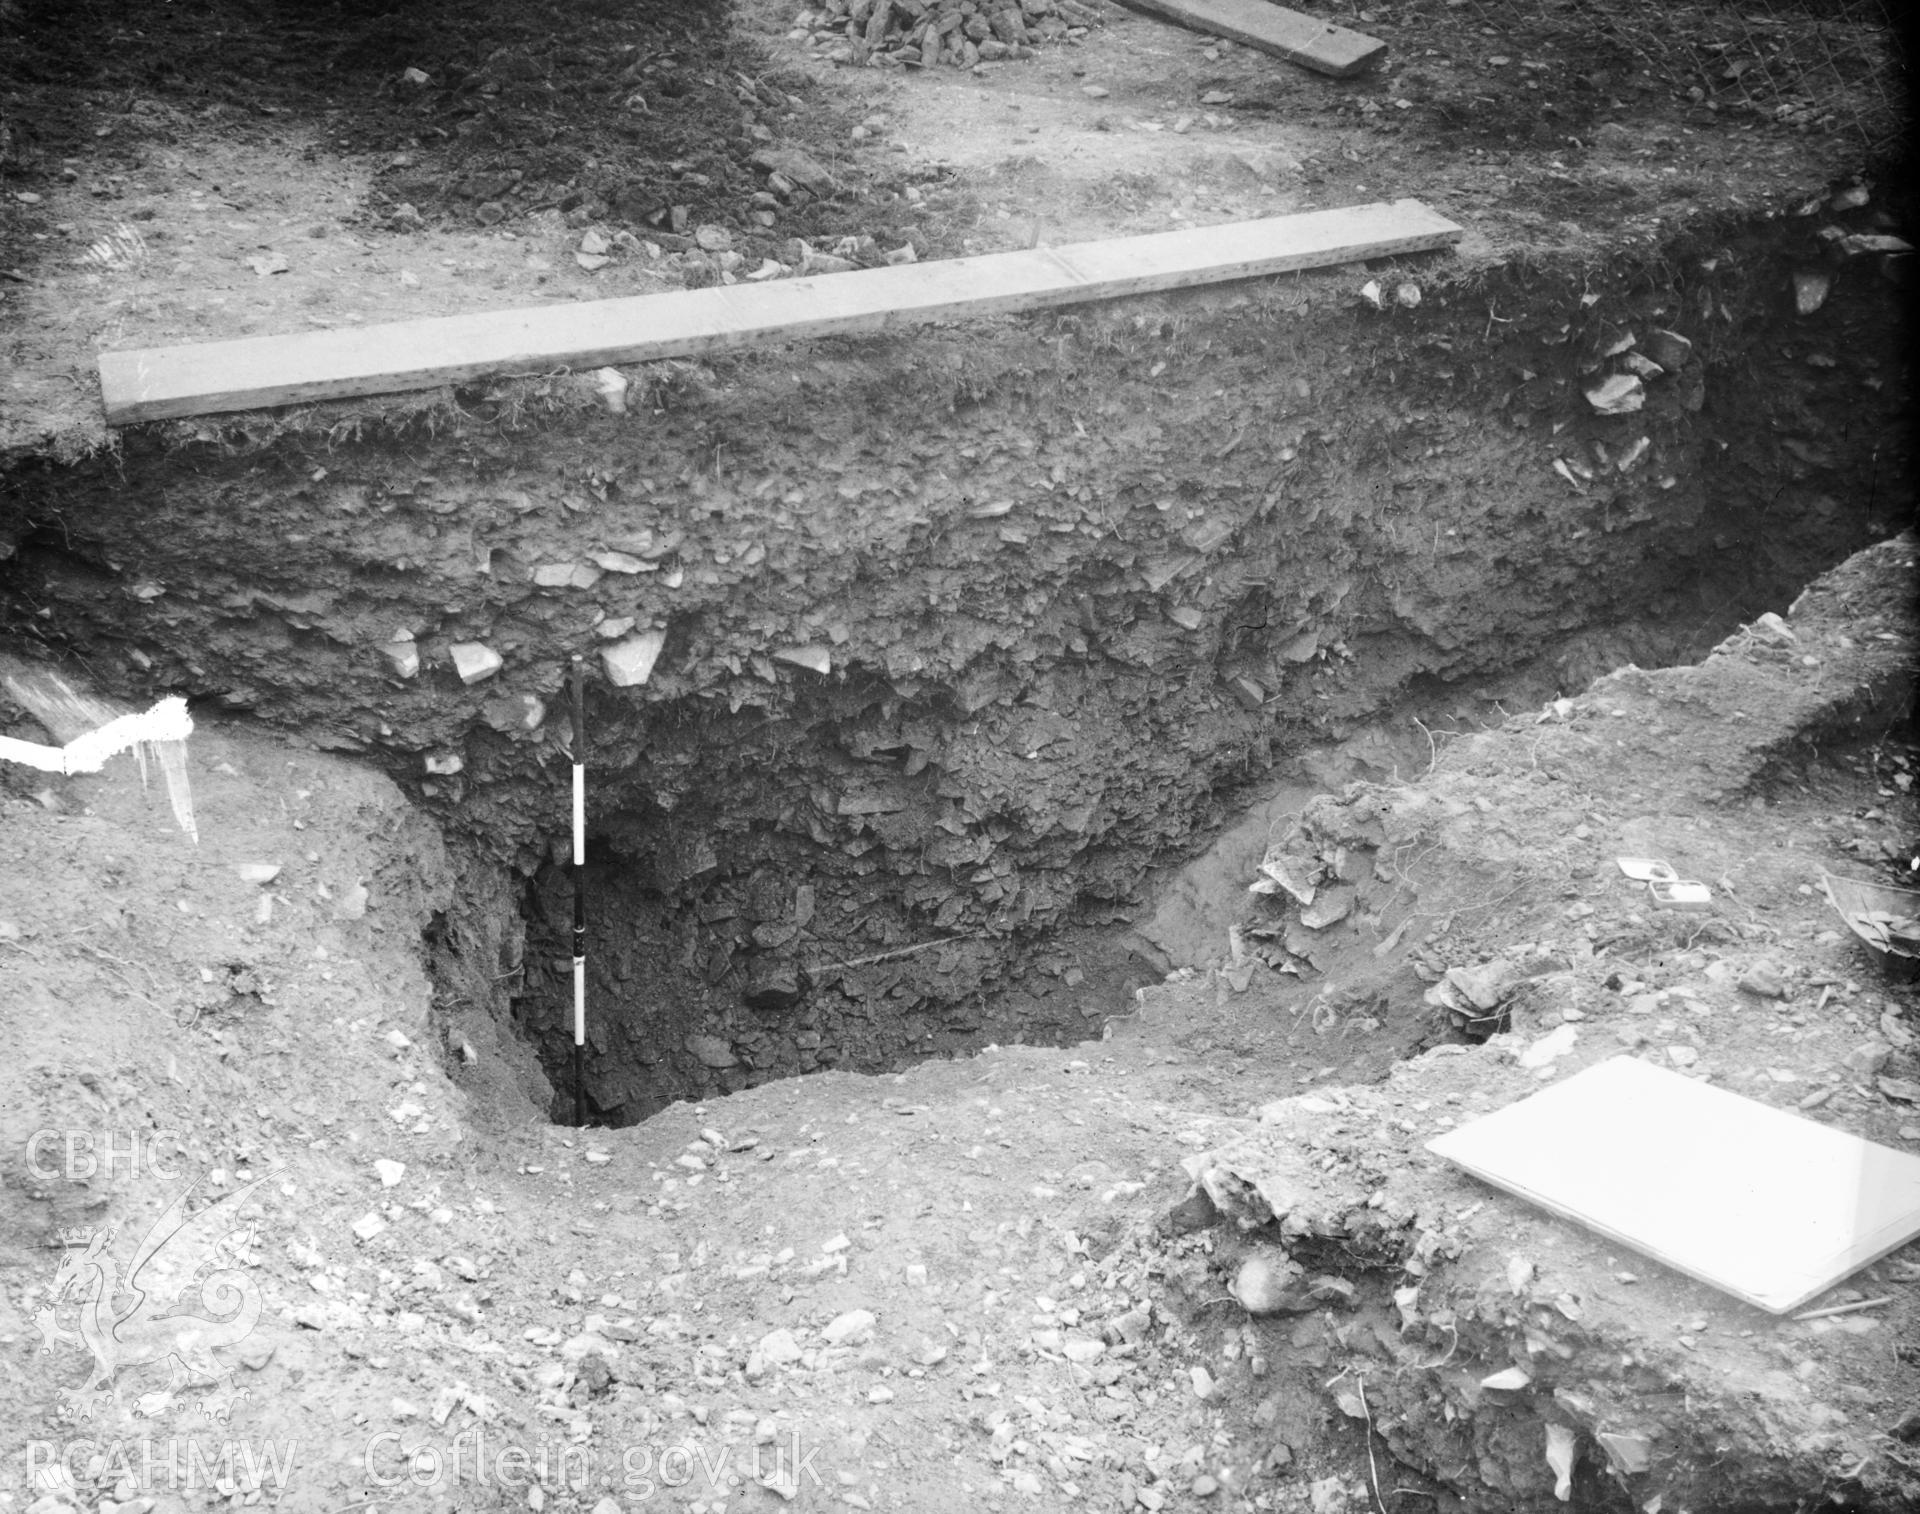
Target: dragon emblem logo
[(180, 1297)]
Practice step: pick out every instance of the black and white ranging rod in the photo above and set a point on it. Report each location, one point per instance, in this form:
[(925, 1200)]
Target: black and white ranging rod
[(579, 885)]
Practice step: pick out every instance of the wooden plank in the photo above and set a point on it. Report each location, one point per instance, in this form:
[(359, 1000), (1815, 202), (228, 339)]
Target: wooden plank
[(157, 383), (1770, 1207), (1312, 43)]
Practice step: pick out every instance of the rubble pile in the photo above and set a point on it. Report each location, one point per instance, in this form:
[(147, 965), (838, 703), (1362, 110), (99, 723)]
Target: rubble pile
[(924, 33)]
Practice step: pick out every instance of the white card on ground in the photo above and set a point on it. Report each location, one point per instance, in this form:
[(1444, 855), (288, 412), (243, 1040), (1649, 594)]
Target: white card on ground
[(1771, 1207)]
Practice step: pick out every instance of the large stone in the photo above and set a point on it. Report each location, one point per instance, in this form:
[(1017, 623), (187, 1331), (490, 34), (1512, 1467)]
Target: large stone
[(515, 712), (775, 1349), (1669, 349), (403, 656), (712, 1051), (629, 662), (772, 985), (1618, 394), (1332, 906), (849, 1326), (791, 163), (474, 661)]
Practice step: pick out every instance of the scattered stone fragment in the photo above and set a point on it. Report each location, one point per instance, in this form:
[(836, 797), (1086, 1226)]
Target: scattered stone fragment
[(403, 656), (515, 712), (776, 1349), (1264, 1284), (1762, 983), (712, 1051), (852, 1325), (1329, 908), (1868, 1059), (797, 166), (368, 1226), (1618, 394), (1549, 1048), (1810, 287), (611, 385), (1560, 1454), (817, 658), (1510, 1381), (629, 662), (1485, 986), (1630, 1454), (474, 661), (389, 1172), (1669, 349), (1865, 242), (257, 872)]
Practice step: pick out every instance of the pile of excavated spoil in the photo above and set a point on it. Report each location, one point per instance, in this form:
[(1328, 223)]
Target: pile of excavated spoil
[(942, 645), (928, 33)]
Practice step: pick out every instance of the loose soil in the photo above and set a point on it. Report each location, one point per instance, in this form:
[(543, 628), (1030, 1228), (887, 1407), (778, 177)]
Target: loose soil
[(1114, 601)]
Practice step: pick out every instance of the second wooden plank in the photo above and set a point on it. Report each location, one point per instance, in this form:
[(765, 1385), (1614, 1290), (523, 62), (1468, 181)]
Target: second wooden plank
[(1312, 43)]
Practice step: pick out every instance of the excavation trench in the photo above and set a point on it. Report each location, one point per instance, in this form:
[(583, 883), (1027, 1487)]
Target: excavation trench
[(964, 637)]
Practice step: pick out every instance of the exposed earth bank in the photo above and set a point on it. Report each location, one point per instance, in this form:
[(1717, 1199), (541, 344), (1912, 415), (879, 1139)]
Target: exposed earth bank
[(947, 642)]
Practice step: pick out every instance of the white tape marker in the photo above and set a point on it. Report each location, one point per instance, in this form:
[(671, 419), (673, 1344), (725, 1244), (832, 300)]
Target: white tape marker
[(166, 721)]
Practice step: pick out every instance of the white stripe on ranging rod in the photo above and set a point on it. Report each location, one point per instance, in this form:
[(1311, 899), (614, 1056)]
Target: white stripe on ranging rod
[(579, 888), (579, 861)]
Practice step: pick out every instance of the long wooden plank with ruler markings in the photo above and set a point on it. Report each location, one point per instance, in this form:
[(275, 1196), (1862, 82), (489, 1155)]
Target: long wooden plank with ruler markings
[(254, 372), (1306, 40)]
